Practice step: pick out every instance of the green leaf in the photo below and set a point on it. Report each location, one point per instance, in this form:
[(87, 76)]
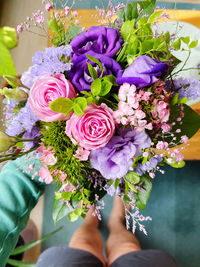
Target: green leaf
[(85, 93), (20, 263), (6, 63), (127, 29), (110, 78), (177, 44), (64, 195), (154, 17), (132, 187), (146, 46), (174, 100), (60, 210), (117, 182), (28, 246), (78, 110), (89, 100), (12, 80), (73, 216), (62, 105), (147, 7), (92, 71), (176, 164), (105, 88), (82, 102), (129, 12), (96, 87), (191, 122), (193, 44), (186, 39), (133, 177), (95, 60), (143, 196), (53, 25), (8, 37), (183, 100), (87, 192)]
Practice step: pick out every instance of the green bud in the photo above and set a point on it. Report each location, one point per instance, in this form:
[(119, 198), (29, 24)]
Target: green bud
[(8, 37), (16, 94), (12, 80), (6, 141), (130, 60)]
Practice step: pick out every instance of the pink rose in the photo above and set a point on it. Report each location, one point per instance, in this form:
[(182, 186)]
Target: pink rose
[(44, 91), (92, 130)]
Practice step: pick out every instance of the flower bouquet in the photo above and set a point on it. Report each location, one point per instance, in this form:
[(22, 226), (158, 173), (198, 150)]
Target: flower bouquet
[(102, 109)]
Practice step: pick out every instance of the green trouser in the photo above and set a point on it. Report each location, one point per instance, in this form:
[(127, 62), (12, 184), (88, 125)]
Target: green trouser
[(18, 196)]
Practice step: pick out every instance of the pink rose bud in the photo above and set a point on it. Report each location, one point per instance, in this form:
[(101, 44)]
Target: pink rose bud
[(92, 130), (152, 175), (20, 28), (44, 91), (48, 6)]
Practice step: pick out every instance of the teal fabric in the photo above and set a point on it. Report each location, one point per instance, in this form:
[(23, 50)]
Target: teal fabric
[(18, 196), (174, 206), (91, 4)]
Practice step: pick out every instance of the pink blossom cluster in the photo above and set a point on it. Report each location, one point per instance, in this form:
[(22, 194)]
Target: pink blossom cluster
[(130, 109)]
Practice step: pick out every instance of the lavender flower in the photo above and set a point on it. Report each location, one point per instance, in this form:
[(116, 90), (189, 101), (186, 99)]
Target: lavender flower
[(149, 165), (114, 160), (187, 87), (52, 61), (25, 120)]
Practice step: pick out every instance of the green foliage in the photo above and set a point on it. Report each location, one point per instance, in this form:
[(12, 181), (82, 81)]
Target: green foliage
[(26, 247), (186, 40), (62, 36), (8, 37), (143, 196), (60, 210), (133, 177), (53, 135), (131, 10), (66, 105), (189, 126), (6, 63), (139, 40), (176, 164), (12, 80)]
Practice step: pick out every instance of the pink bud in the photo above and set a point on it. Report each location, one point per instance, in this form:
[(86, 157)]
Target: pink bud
[(48, 6)]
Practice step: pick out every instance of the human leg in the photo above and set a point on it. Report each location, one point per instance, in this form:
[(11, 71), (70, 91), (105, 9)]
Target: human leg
[(85, 248), (88, 238), (120, 241)]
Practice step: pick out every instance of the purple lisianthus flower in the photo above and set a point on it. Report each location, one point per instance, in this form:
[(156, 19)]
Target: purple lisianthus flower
[(115, 159), (79, 74), (143, 72), (100, 40)]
